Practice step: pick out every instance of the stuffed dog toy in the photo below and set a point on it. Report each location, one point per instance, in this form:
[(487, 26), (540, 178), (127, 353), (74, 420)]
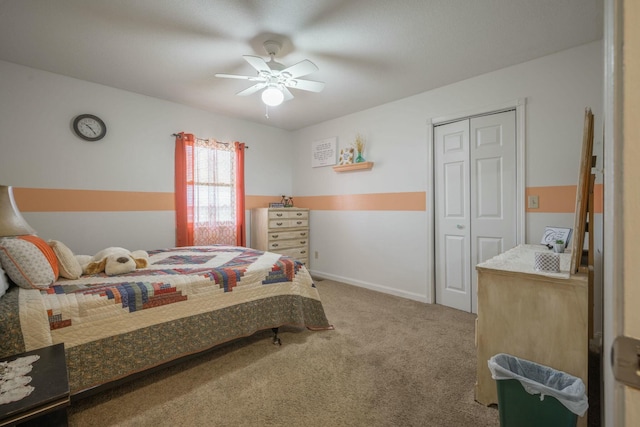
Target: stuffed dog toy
[(113, 261)]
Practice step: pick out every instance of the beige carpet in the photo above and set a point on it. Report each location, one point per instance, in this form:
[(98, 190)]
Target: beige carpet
[(389, 362)]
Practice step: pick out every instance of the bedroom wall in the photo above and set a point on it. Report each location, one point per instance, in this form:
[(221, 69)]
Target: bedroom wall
[(383, 245), (39, 152), (385, 221)]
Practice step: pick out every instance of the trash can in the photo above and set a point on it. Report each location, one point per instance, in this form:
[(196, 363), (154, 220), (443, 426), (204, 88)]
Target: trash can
[(531, 395)]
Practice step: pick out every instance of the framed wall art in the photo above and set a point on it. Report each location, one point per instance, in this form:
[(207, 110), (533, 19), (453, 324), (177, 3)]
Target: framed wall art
[(346, 156), (323, 152)]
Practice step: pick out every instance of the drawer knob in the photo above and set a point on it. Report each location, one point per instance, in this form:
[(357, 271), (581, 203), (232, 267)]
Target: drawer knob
[(278, 214), (299, 213), (303, 234), (303, 252), (299, 222), (275, 236), (302, 242), (278, 223), (275, 245)]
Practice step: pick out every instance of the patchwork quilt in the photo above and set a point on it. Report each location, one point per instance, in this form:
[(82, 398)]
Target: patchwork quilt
[(187, 300)]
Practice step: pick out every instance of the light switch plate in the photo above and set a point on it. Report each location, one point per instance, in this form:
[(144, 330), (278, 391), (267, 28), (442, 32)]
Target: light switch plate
[(532, 202)]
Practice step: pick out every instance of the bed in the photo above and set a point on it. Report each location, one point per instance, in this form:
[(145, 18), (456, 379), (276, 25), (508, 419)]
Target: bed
[(187, 300)]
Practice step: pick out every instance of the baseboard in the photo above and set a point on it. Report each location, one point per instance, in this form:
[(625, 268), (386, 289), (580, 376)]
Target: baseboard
[(370, 286)]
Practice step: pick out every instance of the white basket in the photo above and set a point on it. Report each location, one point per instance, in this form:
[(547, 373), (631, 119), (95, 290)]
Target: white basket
[(547, 261)]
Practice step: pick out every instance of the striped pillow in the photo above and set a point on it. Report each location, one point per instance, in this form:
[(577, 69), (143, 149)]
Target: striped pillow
[(29, 261)]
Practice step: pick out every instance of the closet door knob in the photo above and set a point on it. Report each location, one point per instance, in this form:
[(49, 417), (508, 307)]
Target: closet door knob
[(460, 226)]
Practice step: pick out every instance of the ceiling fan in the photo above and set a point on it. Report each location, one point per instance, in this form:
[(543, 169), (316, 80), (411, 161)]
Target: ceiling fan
[(275, 78)]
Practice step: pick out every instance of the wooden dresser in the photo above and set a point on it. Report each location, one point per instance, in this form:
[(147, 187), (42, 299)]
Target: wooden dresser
[(541, 317), (281, 230)]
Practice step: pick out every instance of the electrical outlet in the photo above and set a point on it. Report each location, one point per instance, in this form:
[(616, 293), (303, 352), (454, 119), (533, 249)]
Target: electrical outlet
[(315, 254), (533, 202)]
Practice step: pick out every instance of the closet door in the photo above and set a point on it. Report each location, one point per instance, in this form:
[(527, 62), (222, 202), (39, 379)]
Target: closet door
[(475, 197), (453, 221), (493, 189)]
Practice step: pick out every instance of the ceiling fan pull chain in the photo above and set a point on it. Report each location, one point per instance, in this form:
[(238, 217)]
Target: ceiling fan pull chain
[(266, 113)]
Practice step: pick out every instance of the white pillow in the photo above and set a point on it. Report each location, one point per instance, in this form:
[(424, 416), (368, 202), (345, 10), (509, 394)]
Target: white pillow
[(67, 263), (4, 282)]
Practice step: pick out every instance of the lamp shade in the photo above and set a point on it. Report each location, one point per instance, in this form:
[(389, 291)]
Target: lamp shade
[(272, 96), (11, 221)]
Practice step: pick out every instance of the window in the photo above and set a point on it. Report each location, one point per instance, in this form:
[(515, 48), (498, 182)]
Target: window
[(211, 174)]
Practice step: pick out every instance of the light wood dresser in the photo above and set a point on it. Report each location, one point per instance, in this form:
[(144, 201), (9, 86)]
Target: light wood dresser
[(541, 317), (281, 230)]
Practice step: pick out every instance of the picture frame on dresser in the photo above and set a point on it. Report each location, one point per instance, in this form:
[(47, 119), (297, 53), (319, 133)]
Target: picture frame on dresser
[(551, 234)]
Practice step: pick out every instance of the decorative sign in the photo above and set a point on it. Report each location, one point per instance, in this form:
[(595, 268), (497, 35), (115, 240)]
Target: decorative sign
[(551, 234), (323, 152)]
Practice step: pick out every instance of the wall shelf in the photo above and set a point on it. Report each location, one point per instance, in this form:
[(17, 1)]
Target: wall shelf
[(353, 167)]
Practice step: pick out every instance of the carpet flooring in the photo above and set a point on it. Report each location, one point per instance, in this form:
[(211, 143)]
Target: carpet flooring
[(389, 362)]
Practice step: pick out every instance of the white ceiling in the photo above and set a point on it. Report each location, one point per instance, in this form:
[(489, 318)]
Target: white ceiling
[(368, 51)]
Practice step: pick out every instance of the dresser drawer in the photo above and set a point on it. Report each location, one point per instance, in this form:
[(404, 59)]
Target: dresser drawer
[(288, 223), (285, 214), (284, 244), (285, 235), (297, 253)]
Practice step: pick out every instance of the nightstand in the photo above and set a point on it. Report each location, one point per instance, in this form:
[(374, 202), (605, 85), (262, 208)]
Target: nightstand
[(47, 403)]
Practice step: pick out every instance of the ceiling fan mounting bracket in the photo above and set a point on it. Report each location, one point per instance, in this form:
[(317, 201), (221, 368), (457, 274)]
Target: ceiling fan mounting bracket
[(272, 47)]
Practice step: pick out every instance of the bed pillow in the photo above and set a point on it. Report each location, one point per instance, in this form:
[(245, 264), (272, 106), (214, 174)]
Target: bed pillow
[(67, 263), (4, 282), (29, 261)]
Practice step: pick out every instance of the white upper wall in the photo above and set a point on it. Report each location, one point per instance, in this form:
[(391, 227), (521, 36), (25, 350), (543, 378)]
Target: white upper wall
[(39, 149), (557, 89)]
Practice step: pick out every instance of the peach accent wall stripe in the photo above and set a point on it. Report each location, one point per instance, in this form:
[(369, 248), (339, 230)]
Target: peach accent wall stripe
[(56, 200), (552, 199), (415, 201), (561, 198)]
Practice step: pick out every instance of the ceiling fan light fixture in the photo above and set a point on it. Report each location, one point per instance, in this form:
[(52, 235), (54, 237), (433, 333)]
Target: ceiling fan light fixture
[(272, 96)]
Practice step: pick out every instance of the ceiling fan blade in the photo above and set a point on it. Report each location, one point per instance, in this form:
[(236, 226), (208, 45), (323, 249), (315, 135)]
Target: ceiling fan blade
[(287, 93), (252, 89), (300, 69), (257, 63), (235, 76), (309, 85)]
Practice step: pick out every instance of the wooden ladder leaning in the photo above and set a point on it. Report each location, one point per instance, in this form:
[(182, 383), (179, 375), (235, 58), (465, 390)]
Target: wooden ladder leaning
[(582, 260)]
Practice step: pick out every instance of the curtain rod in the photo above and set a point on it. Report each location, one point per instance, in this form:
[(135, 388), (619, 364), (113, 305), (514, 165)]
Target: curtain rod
[(204, 139)]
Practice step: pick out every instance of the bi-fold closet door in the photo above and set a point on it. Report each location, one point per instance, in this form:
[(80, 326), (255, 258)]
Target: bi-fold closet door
[(475, 201)]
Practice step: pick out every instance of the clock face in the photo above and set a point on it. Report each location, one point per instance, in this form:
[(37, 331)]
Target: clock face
[(89, 127)]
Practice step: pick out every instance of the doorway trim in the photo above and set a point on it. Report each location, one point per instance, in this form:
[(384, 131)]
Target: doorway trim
[(519, 106)]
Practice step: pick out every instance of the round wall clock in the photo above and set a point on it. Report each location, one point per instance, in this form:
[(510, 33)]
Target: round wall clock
[(89, 127)]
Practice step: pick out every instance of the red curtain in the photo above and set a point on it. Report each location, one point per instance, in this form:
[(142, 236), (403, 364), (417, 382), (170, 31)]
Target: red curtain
[(184, 188), (241, 238), (196, 225)]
